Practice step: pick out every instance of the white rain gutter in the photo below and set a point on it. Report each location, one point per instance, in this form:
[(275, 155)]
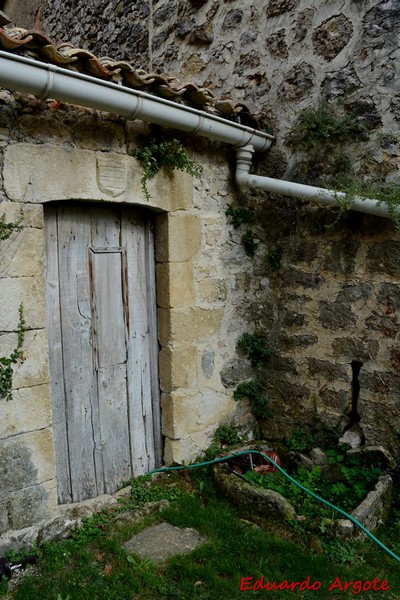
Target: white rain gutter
[(289, 188), (45, 81)]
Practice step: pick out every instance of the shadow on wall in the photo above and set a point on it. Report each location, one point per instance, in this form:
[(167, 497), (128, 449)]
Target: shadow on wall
[(23, 13)]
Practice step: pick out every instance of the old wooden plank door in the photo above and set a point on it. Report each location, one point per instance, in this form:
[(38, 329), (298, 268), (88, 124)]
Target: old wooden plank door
[(100, 277)]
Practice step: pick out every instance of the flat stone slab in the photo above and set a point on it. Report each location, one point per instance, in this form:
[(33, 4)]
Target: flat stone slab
[(163, 541)]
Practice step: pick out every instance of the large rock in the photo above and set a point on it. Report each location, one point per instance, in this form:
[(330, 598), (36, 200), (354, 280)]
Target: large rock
[(371, 513), (252, 500)]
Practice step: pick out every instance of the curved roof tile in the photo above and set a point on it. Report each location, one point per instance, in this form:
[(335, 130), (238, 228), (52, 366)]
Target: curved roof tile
[(39, 46)]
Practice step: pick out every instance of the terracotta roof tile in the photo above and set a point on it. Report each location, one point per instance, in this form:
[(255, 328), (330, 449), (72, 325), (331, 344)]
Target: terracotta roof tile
[(36, 45)]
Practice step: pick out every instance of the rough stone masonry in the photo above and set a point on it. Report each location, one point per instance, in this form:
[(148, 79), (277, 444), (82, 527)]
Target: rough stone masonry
[(330, 311)]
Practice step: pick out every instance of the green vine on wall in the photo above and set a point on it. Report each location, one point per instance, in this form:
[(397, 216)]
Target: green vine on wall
[(6, 229), (255, 347), (254, 390), (7, 362), (169, 154), (238, 216), (323, 132)]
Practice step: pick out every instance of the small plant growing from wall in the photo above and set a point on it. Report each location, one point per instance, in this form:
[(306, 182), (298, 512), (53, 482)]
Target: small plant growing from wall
[(165, 153), (323, 132), (274, 258), (249, 243), (6, 229), (255, 391), (323, 127), (238, 217), (7, 362), (255, 346)]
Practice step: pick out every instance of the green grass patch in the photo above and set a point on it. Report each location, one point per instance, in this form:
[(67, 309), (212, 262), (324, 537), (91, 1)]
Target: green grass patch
[(92, 564)]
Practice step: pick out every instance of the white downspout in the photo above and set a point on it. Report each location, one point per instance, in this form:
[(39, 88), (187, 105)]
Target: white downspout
[(289, 188)]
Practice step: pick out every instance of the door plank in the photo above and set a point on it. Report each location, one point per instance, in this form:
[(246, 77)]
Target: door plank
[(114, 426), (153, 344), (81, 401), (56, 355), (106, 271), (139, 382)]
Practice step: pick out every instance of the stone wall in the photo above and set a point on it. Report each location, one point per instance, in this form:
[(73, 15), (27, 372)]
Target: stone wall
[(53, 152), (335, 298)]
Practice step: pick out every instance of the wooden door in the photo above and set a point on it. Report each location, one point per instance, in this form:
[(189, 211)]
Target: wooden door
[(100, 276)]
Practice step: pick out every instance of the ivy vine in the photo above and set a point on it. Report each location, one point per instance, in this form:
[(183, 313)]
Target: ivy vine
[(6, 229), (7, 362), (170, 154)]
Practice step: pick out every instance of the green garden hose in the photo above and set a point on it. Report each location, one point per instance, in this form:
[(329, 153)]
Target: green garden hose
[(279, 468)]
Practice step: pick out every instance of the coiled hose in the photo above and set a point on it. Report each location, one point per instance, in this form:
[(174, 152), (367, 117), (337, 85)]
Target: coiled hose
[(279, 468)]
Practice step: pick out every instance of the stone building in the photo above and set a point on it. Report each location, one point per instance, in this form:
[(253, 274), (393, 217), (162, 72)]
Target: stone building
[(322, 288)]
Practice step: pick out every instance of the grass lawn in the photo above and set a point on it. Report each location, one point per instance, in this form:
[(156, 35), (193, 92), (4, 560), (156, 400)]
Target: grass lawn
[(91, 565)]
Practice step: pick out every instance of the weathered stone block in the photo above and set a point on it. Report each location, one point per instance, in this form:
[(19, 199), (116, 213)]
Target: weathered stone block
[(171, 191), (26, 460), (212, 290), (181, 451), (33, 370), (177, 237), (355, 348), (175, 287), (253, 500), (303, 23), (328, 369), (178, 368), (384, 258), (22, 254), (30, 292), (29, 410), (337, 401), (332, 36), (296, 82), (207, 363), (31, 215), (42, 128), (232, 19), (104, 136), (29, 505), (373, 511), (41, 173), (336, 315), (296, 277), (235, 371), (183, 415), (278, 7), (185, 325), (277, 45)]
